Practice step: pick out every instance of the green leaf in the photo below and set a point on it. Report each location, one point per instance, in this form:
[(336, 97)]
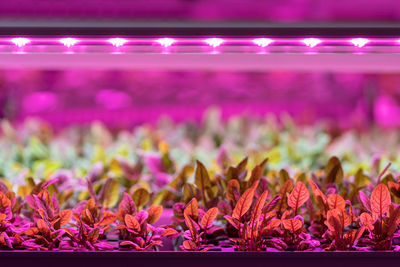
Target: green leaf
[(141, 196), (333, 171), (110, 193), (202, 180)]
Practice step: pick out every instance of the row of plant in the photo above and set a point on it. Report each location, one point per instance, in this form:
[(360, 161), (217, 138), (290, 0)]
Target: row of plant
[(159, 159), (249, 208), (157, 152)]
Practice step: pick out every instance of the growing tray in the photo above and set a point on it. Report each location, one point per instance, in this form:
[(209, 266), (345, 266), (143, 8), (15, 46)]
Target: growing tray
[(197, 259)]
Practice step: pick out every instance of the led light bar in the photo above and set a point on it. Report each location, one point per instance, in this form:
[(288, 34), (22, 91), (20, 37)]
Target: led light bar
[(202, 41), (220, 47), (199, 45)]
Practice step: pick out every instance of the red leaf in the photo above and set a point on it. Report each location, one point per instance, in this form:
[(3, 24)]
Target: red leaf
[(191, 225), (4, 201), (257, 172), (244, 203), (272, 204), (317, 192), (286, 187), (127, 206), (359, 233), (192, 209), (65, 216), (94, 235), (380, 200), (393, 221), (107, 219), (394, 188), (2, 217), (298, 196), (335, 201), (272, 225), (334, 222), (256, 214), (367, 221), (189, 245), (155, 213), (232, 189), (233, 221), (170, 232), (132, 223), (292, 225), (43, 228), (208, 218), (119, 227)]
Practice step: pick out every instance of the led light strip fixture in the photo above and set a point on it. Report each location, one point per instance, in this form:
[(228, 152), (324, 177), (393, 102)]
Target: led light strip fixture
[(177, 47), (206, 41), (204, 37)]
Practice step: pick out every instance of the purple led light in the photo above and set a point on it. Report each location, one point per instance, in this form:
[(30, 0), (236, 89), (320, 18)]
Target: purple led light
[(214, 42), (236, 43), (263, 42), (117, 42), (359, 42), (68, 42), (20, 41), (311, 42), (166, 42)]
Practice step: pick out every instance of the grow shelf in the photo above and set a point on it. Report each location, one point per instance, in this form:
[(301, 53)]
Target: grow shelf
[(368, 48), (196, 259)]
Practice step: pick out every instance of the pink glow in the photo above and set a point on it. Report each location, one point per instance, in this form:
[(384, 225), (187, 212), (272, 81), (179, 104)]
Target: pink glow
[(214, 42), (20, 41), (311, 42), (117, 42), (113, 99), (387, 110), (359, 42), (166, 42), (68, 42), (263, 42), (41, 101), (135, 96)]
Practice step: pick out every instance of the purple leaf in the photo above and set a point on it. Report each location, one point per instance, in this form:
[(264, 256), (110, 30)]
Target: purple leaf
[(56, 205), (49, 182), (142, 216), (102, 245), (154, 163), (30, 244), (3, 188), (31, 202), (187, 235), (7, 240), (127, 205), (365, 201)]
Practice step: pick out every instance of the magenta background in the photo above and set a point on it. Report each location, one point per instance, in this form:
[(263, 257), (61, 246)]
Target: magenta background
[(205, 10), (126, 98)]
